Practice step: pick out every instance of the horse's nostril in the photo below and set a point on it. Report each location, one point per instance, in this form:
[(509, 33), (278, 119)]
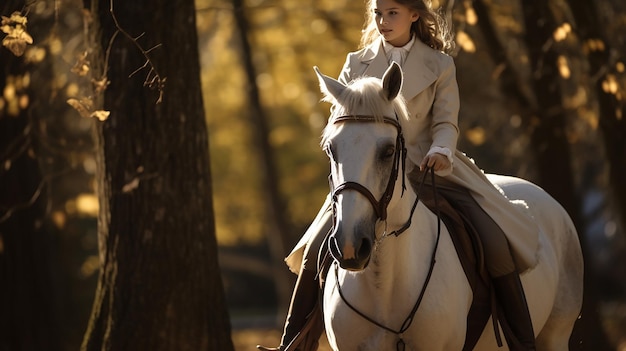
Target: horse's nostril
[(365, 249)]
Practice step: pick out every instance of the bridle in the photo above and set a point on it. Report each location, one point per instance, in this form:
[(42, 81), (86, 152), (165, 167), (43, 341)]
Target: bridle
[(380, 206)]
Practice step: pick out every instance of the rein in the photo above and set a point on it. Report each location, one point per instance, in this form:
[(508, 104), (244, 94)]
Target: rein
[(401, 345)]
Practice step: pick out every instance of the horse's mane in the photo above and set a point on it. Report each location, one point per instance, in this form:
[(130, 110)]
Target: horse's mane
[(363, 94)]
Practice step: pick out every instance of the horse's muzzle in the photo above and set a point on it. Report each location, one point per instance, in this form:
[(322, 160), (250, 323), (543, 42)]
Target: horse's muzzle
[(352, 257)]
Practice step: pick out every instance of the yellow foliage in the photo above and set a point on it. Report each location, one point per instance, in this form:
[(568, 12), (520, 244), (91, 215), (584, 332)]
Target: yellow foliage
[(476, 135), (59, 219), (594, 45), (72, 89), (9, 91), (87, 204), (35, 54), (85, 108), (16, 37), (283, 39), (14, 97), (465, 42), (563, 66), (55, 45), (561, 32), (470, 15), (23, 101), (610, 84), (576, 100), (90, 266)]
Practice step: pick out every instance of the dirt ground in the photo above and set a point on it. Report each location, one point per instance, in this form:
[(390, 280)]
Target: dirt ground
[(247, 339)]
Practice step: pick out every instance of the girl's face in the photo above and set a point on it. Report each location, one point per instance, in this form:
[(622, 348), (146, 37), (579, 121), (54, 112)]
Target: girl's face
[(394, 21)]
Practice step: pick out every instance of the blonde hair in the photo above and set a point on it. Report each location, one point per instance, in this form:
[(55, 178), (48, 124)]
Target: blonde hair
[(431, 28)]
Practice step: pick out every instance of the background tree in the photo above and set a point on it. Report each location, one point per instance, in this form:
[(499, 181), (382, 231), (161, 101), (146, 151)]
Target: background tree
[(604, 47), (160, 285), (42, 149), (27, 298)]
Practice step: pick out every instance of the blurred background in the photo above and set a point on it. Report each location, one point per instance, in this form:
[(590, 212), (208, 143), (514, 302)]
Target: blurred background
[(549, 111)]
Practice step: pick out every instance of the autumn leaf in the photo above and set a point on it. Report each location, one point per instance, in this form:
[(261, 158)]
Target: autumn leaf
[(82, 65), (17, 37), (101, 114), (16, 18), (100, 84), (83, 106)]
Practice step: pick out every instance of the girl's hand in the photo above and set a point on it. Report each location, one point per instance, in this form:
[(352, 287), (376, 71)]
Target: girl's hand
[(436, 161)]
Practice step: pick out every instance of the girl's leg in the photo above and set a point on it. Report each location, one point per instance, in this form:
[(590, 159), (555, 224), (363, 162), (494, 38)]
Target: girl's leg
[(305, 293), (501, 267)]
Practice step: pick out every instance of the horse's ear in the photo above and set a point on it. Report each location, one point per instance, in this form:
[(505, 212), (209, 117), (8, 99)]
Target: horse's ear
[(392, 81), (329, 86)]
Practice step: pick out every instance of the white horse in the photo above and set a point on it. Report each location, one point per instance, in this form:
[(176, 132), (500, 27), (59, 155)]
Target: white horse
[(409, 292)]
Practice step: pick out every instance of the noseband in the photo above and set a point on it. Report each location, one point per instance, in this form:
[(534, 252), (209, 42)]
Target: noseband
[(380, 206)]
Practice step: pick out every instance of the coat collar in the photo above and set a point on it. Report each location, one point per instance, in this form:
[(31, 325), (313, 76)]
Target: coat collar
[(417, 75)]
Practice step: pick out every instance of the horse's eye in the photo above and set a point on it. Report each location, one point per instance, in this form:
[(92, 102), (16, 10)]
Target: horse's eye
[(388, 152)]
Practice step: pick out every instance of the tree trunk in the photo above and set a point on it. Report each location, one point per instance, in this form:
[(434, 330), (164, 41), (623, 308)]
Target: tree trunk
[(160, 286), (612, 108), (27, 321), (552, 150), (29, 317)]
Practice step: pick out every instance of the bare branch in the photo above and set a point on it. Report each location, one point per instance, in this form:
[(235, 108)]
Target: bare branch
[(160, 82), (9, 212)]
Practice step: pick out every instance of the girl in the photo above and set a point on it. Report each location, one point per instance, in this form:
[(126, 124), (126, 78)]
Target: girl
[(411, 34)]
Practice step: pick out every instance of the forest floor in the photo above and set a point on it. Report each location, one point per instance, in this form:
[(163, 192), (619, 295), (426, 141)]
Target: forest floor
[(615, 324), (246, 339)]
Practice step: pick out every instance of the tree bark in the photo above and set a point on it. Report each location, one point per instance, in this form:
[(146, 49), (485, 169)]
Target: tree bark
[(160, 286)]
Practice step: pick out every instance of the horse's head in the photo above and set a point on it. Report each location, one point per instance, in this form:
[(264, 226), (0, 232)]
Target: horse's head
[(364, 142)]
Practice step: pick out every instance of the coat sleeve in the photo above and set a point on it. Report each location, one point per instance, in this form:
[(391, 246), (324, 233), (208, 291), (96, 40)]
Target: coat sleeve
[(445, 109)]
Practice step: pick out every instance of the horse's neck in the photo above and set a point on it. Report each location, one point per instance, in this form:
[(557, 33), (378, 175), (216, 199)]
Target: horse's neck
[(401, 262), (400, 207), (396, 272)]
